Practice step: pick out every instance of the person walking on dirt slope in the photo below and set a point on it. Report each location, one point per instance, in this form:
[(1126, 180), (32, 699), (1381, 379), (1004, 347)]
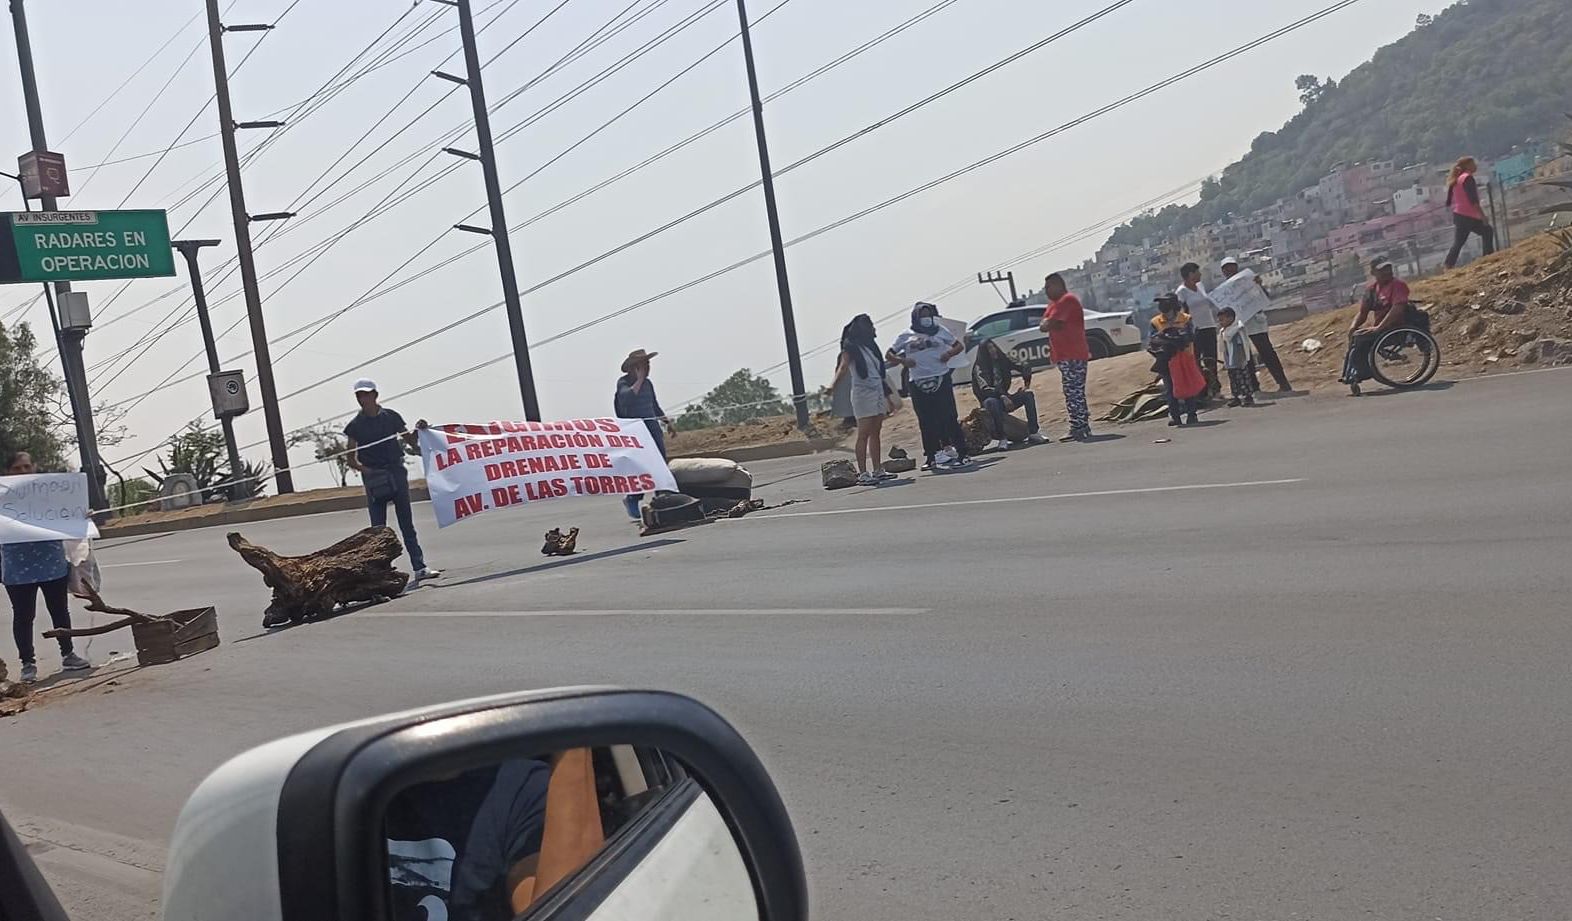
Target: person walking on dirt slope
[(1468, 217), (1065, 324)]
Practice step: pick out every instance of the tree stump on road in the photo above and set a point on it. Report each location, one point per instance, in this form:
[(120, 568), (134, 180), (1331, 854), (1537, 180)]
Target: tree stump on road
[(356, 570)]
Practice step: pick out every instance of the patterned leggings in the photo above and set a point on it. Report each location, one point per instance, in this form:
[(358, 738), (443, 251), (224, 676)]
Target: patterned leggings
[(1239, 383), (1074, 374)]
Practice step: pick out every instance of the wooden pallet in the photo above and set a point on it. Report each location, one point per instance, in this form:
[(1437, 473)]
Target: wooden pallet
[(181, 634)]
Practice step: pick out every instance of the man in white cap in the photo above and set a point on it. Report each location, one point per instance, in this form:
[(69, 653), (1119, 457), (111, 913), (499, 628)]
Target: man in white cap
[(1256, 328), (377, 436)]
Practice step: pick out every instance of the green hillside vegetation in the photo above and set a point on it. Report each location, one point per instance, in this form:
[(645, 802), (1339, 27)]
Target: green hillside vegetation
[(1482, 76)]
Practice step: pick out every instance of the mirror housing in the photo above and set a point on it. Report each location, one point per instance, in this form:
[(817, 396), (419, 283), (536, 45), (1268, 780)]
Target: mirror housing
[(293, 831)]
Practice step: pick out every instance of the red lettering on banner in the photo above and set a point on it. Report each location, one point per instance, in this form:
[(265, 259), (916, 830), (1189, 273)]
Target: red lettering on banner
[(502, 496), (646, 482), (464, 506), (609, 426), (584, 425), (472, 450), (598, 461)]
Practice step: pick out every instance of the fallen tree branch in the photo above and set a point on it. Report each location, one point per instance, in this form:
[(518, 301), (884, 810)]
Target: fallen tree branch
[(98, 605)]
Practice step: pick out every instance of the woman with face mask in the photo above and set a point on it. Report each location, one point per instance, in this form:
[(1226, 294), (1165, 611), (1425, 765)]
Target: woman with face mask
[(925, 350)]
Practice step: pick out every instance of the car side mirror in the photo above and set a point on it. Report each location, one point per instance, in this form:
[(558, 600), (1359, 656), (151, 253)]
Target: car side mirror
[(581, 803)]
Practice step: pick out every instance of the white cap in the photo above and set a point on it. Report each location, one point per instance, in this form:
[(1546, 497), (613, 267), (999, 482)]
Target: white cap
[(365, 385), (1230, 261), (1384, 264)]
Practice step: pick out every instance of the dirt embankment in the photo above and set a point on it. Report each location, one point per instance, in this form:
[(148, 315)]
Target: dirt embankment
[(1505, 312)]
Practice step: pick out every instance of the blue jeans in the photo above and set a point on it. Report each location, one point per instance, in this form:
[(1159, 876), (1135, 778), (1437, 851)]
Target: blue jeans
[(406, 515), (631, 503), (997, 411)]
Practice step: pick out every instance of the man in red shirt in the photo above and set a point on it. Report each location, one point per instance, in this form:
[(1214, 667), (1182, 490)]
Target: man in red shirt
[(1065, 324), (1385, 306)]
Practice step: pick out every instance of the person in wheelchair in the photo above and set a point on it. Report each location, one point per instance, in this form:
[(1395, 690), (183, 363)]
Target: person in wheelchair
[(1385, 306)]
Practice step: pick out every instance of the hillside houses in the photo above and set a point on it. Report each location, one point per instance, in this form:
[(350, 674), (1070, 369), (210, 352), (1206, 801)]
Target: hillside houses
[(1322, 235)]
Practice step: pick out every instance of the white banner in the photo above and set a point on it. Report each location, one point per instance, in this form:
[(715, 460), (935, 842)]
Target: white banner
[(476, 468), (1242, 295), (44, 506)]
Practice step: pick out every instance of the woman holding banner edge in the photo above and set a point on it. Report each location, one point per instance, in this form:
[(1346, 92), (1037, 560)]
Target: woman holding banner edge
[(33, 568)]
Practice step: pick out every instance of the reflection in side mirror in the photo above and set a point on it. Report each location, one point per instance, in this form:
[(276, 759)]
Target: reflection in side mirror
[(496, 841), (590, 804)]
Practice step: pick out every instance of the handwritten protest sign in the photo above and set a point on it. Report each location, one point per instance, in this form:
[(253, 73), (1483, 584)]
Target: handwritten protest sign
[(44, 506), (472, 469), (1242, 294)]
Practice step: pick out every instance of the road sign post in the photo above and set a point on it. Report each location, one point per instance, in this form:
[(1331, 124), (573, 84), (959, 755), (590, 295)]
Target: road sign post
[(43, 246)]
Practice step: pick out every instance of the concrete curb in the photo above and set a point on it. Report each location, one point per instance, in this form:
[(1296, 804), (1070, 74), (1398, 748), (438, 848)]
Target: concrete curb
[(770, 452), (245, 513), (262, 510)]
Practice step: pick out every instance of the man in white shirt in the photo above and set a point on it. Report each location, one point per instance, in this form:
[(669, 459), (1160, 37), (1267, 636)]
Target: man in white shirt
[(1203, 316)]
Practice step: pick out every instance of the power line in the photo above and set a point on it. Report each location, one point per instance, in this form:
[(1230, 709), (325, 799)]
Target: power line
[(607, 31), (127, 81), (948, 177)]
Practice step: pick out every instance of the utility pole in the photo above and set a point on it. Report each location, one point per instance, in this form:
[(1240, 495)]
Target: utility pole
[(190, 249), (799, 396), (69, 339), (499, 221), (1495, 219), (248, 267), (994, 278)]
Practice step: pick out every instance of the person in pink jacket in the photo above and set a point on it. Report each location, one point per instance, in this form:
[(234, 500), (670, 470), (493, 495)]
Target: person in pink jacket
[(1468, 217)]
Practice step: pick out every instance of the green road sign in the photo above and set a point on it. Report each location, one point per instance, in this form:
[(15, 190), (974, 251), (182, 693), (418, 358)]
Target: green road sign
[(84, 245)]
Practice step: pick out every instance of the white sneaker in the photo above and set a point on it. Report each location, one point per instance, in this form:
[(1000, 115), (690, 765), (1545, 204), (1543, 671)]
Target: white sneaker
[(944, 458), (1000, 445), (29, 672), (428, 573), (1036, 438), (74, 663), (867, 479)]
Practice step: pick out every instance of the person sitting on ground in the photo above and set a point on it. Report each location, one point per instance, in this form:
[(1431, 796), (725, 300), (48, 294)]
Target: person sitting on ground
[(1236, 357), (991, 374), (1171, 342), (1384, 307)]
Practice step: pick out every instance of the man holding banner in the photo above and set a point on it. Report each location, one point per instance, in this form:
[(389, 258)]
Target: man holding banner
[(37, 513), (376, 443), (1244, 294)]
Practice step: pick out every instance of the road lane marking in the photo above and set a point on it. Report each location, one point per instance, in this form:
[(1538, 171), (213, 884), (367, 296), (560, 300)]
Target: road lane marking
[(143, 563), (640, 612), (1490, 377), (1063, 495)]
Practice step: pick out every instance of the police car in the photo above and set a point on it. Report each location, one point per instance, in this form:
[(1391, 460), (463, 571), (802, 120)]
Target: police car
[(1016, 328)]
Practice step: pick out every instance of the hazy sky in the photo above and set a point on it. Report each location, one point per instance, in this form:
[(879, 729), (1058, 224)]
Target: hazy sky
[(87, 49)]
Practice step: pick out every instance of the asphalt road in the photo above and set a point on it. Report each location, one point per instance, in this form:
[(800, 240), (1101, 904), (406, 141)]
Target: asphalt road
[(1308, 661)]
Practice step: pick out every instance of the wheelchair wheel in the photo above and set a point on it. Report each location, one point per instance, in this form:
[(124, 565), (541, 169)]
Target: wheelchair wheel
[(1405, 358)]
